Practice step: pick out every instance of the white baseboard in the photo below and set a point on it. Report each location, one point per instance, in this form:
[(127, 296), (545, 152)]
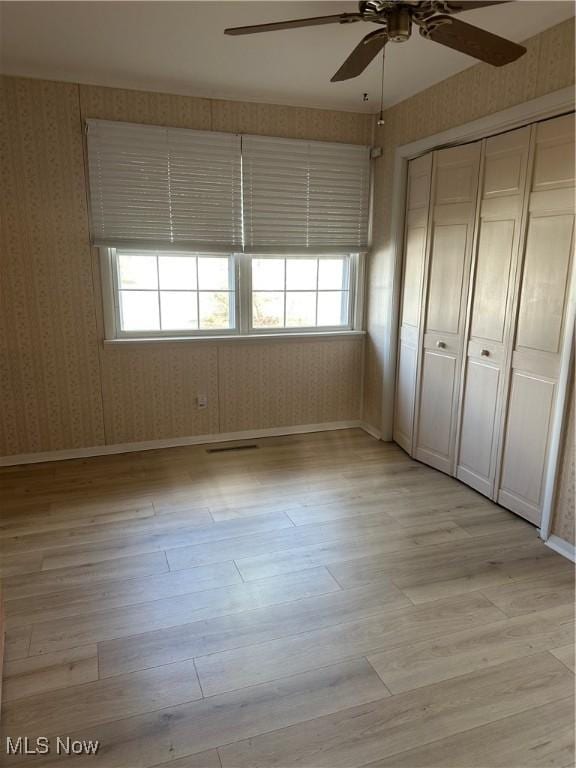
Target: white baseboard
[(152, 445), (563, 548), (372, 431)]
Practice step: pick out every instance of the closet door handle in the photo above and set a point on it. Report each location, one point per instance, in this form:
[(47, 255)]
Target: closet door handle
[(485, 353), (441, 344)]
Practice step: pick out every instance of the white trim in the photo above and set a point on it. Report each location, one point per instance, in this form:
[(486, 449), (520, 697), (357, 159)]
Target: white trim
[(563, 547), (559, 420), (240, 291), (153, 445), (372, 431), (108, 292), (550, 105), (350, 286), (322, 336)]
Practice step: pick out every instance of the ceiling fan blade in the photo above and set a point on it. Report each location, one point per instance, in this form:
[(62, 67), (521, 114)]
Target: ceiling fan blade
[(340, 18), (366, 50), (473, 41), (454, 6)]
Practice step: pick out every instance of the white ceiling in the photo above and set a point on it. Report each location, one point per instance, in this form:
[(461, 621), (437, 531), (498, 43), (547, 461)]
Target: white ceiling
[(179, 47)]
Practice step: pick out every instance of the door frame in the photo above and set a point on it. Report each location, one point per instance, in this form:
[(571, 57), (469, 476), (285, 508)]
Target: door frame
[(552, 104)]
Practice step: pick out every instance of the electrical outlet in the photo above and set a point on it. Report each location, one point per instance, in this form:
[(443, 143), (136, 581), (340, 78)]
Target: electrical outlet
[(202, 401)]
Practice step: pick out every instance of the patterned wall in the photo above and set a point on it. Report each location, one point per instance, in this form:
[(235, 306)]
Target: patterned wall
[(481, 90), (60, 387), (150, 390), (49, 367), (283, 384), (228, 116)]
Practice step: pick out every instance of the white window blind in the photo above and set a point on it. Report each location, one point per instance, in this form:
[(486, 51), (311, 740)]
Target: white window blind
[(207, 191), (304, 195), (164, 186)]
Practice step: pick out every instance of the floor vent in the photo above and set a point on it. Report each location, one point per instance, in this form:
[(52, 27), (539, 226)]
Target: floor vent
[(232, 448)]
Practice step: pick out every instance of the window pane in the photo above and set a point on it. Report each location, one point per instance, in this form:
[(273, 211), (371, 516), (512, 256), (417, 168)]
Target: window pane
[(301, 274), (213, 274), (301, 310), (139, 311), (179, 310), (268, 274), (268, 310), (331, 274), (136, 271), (215, 310), (332, 309), (177, 272)]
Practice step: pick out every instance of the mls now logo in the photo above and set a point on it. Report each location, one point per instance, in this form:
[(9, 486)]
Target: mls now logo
[(23, 745)]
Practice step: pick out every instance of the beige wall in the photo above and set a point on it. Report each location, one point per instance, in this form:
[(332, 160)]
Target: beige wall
[(481, 90), (50, 389), (60, 387)]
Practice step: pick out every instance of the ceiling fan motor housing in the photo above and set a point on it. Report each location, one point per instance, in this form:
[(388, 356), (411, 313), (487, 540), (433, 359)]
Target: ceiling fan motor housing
[(398, 25)]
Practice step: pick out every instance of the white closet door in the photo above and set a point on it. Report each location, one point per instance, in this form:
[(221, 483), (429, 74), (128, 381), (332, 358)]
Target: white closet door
[(417, 208), (454, 185), (540, 325), (496, 254)]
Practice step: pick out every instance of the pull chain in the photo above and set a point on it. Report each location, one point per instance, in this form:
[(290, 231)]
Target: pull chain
[(381, 115)]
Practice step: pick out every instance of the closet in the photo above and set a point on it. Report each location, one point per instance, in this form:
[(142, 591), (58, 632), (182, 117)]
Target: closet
[(489, 238)]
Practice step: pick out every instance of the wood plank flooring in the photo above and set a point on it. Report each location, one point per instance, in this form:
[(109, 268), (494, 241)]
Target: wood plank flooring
[(322, 600)]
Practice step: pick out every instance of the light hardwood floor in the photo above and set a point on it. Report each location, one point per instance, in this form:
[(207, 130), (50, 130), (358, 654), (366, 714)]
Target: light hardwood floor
[(320, 600)]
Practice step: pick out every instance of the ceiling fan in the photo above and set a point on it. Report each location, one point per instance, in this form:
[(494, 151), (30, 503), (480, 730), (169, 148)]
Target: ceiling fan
[(395, 19)]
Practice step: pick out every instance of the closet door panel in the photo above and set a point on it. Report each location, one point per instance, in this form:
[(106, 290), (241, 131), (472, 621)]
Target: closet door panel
[(453, 204), (457, 175), (492, 279), (544, 284), (407, 359), (542, 300), (529, 415), (435, 428), (554, 162), (446, 273), (504, 173), (478, 419), (490, 314), (505, 165), (415, 242), (415, 246)]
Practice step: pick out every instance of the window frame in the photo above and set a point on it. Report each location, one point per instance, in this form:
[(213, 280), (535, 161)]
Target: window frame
[(241, 294), (245, 261)]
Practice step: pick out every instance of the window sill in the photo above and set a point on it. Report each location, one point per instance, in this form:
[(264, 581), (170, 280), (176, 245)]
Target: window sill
[(253, 337)]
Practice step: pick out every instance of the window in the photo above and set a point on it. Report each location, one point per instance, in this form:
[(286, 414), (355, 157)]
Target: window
[(206, 233), (300, 292), (168, 293)]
